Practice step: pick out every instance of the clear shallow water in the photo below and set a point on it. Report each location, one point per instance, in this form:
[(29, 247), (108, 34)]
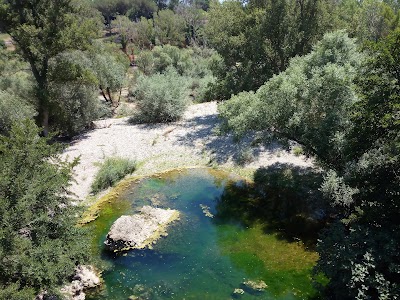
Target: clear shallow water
[(202, 257)]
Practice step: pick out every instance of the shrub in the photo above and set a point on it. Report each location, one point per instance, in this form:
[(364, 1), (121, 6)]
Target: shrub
[(160, 97), (245, 156), (13, 109), (145, 62), (111, 171), (297, 151), (201, 88), (75, 106)]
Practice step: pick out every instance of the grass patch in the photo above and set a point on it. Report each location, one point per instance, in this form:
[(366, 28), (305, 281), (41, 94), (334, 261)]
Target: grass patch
[(111, 171)]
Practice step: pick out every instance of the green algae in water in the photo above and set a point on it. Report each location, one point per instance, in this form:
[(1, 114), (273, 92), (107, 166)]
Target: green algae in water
[(202, 257)]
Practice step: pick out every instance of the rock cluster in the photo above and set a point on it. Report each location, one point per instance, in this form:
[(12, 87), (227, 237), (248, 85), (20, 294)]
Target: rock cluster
[(85, 278), (256, 285), (139, 231)]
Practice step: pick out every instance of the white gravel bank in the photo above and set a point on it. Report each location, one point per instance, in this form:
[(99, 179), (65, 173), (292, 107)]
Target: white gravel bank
[(158, 147)]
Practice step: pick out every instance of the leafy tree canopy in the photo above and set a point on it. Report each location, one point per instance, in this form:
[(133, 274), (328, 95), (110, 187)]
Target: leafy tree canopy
[(308, 103), (359, 253), (39, 243), (43, 29)]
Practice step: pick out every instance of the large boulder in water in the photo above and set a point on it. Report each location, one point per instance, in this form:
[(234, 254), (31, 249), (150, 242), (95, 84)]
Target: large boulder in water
[(141, 230)]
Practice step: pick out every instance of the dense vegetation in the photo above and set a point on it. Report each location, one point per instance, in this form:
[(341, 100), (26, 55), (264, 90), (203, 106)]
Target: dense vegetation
[(40, 245), (322, 73), (343, 108)]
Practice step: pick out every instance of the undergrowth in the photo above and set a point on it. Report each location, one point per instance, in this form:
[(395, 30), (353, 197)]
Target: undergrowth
[(111, 171)]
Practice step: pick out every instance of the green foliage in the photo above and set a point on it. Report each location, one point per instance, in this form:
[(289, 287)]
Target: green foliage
[(13, 109), (15, 91), (145, 62), (43, 30), (308, 103), (126, 31), (109, 68), (40, 244), (160, 97), (368, 20), (195, 19), (111, 171), (258, 40), (360, 252), (144, 36), (169, 28), (193, 64), (73, 92), (134, 9), (14, 76)]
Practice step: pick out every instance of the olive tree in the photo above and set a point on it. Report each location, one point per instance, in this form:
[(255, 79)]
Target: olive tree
[(308, 103), (41, 30)]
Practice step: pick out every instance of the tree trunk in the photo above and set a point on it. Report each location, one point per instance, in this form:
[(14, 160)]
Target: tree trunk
[(45, 121), (103, 94), (43, 109), (109, 95)]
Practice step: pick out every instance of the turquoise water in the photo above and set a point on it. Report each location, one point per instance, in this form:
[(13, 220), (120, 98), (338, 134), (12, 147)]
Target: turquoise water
[(201, 258)]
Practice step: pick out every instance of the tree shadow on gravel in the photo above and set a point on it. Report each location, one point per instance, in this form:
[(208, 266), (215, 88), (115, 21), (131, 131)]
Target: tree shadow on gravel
[(284, 198), (202, 132)]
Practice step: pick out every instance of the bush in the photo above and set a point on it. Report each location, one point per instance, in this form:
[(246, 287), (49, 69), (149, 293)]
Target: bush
[(76, 106), (194, 64), (13, 109), (145, 62), (160, 97), (111, 171)]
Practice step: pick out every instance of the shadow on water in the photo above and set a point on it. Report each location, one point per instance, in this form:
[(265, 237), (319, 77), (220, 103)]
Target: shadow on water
[(284, 198)]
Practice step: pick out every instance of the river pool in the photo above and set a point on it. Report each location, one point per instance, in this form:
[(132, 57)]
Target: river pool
[(207, 253)]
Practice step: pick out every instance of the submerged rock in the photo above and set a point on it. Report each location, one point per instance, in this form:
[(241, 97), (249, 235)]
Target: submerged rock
[(206, 211), (86, 277), (256, 285), (238, 291), (141, 230)]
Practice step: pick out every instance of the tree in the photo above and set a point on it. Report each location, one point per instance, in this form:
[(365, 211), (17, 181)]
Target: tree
[(344, 109), (169, 28), (376, 20), (195, 20), (75, 80), (257, 40), (126, 31), (141, 8), (73, 90), (15, 90), (144, 36), (108, 10), (40, 244), (359, 252), (308, 103), (134, 9), (41, 30)]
